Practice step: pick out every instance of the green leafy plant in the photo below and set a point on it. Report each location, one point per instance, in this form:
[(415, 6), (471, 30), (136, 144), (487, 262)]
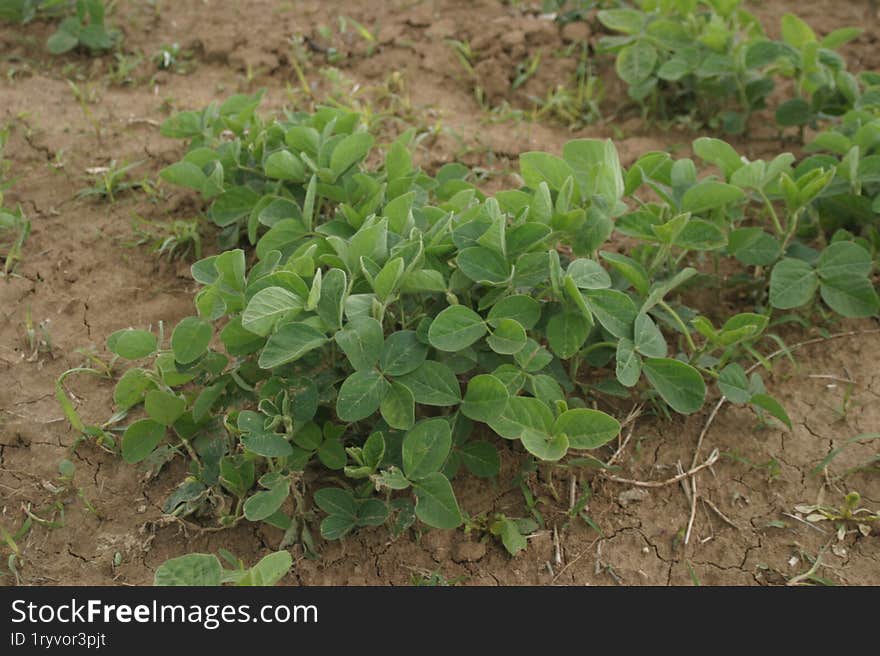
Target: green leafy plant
[(825, 88), (386, 327), (110, 181), (180, 238), (849, 514), (85, 29), (199, 569), (686, 56), (24, 11), (712, 59), (14, 230)]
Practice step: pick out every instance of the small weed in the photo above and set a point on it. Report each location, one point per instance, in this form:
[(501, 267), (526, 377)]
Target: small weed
[(110, 181), (177, 239), (14, 230)]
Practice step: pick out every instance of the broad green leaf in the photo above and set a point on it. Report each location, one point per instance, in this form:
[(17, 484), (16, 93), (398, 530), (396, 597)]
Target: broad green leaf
[(361, 340), (630, 269), (533, 357), (423, 281), (191, 570), (597, 168), (613, 309), (190, 339), (627, 363), (336, 501), (268, 445), (485, 399), (659, 290), (130, 389), (523, 309), (283, 236), (393, 479), (679, 384), (850, 296), (772, 406), (636, 62), (648, 340), (795, 32), (734, 384), (398, 408), (262, 504), (289, 343), (588, 274), (483, 265), (753, 246), (544, 446), (330, 305), (546, 388), (402, 353), (566, 333), (700, 235), (232, 205), (374, 450), (433, 383), (132, 344), (629, 21), (793, 112), (386, 282), (425, 448), (792, 284), (708, 195), (270, 569), (351, 150), (456, 328), (844, 259), (314, 295), (585, 428), (140, 438), (335, 527), (435, 502), (308, 437), (163, 407), (284, 165), (745, 325), (360, 395), (538, 167), (267, 307), (720, 153), (372, 512), (370, 242), (332, 455), (508, 337), (481, 459), (522, 413), (511, 537)]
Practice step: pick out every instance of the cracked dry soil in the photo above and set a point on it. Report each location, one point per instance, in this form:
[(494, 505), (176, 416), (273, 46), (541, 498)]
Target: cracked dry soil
[(83, 277)]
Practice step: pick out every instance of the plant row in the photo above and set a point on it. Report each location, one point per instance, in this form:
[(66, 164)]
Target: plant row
[(370, 331)]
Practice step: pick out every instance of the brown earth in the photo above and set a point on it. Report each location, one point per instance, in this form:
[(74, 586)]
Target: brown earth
[(83, 276)]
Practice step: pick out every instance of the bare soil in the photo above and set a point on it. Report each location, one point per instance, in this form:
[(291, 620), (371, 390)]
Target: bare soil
[(83, 277)]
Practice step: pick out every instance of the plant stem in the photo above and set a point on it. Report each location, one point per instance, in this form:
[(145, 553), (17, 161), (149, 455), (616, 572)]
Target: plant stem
[(773, 215), (681, 325)]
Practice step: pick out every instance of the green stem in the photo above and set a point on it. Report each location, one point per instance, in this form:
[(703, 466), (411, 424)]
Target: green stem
[(792, 229), (773, 215), (680, 324)]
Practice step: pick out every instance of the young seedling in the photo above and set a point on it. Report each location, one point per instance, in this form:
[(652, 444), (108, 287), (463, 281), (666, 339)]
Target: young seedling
[(206, 570), (86, 29), (110, 181)]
